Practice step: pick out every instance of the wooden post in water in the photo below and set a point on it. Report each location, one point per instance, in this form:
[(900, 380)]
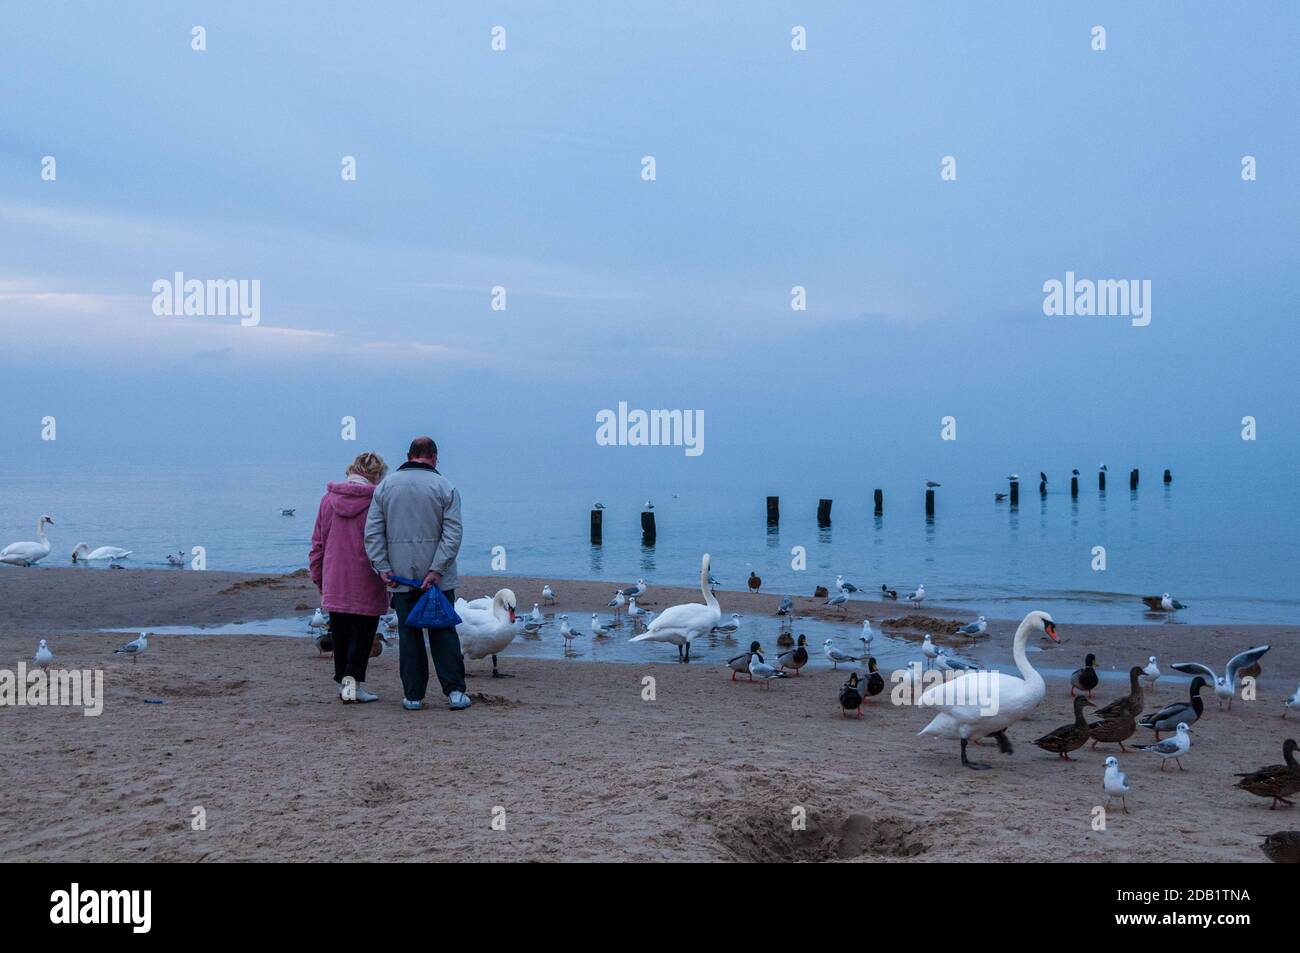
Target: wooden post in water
[(880, 502), (823, 512), (1101, 480), (1015, 492), (1169, 477), (1133, 480), (647, 527), (773, 510), (1042, 488), (929, 502), (1074, 486), (596, 517)]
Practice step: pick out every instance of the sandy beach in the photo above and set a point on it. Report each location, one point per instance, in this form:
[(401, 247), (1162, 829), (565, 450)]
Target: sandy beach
[(569, 754)]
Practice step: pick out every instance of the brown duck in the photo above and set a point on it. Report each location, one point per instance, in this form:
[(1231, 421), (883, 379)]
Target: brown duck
[(1069, 737), (1282, 847), (1118, 730), (1278, 781), (1131, 704)]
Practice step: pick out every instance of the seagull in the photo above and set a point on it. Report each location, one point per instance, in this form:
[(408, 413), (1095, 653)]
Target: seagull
[(1174, 747), (999, 497), (319, 619), (134, 648), (888, 593), (1013, 477), (762, 671), (598, 505), (1242, 665), (740, 664), (1074, 472), (567, 633), (1115, 782), (649, 505), (928, 650), (868, 635), (1151, 673), (843, 586), (950, 663), (975, 629), (851, 697), (287, 511), (1162, 603), (931, 484), (176, 560), (617, 603), (1103, 468), (635, 611), (755, 583), (839, 599), (1292, 703), (637, 590), (835, 656), (548, 594), (598, 630), (916, 597), (43, 656), (536, 616), (731, 625), (786, 606)]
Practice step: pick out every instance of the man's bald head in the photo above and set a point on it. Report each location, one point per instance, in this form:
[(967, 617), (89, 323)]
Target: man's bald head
[(422, 448)]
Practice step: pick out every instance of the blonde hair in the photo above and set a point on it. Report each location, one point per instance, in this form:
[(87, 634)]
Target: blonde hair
[(369, 465)]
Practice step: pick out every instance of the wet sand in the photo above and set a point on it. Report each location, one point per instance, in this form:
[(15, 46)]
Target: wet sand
[(581, 766)]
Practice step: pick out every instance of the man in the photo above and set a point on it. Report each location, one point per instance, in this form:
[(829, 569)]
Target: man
[(413, 530)]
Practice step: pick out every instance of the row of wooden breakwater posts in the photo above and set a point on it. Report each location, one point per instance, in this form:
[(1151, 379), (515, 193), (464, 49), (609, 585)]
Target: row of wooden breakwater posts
[(649, 533)]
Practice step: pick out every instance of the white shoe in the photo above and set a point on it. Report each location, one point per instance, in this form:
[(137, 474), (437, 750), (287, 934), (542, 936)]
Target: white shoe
[(458, 701), (365, 696)]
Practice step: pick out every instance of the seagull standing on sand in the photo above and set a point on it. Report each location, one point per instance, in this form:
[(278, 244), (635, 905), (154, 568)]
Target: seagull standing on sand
[(1292, 703), (839, 599), (918, 596), (928, 650), (762, 671), (1115, 782), (598, 630), (638, 590), (975, 629), (135, 648), (43, 656), (548, 594), (835, 656), (1151, 673), (1174, 747)]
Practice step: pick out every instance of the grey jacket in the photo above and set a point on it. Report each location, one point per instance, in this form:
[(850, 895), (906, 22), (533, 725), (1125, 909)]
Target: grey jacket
[(413, 526)]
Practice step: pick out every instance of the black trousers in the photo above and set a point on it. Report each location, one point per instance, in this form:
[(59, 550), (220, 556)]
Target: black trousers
[(354, 637), (444, 647)]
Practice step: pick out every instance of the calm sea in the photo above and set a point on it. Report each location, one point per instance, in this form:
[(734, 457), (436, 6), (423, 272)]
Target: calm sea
[(1229, 554)]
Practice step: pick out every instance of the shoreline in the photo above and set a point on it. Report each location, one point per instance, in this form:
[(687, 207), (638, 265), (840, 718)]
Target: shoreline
[(583, 765)]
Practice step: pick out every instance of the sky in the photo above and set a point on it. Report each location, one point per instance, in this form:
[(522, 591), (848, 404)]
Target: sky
[(775, 168)]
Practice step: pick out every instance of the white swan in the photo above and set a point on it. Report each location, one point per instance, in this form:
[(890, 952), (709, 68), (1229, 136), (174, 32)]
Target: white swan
[(83, 553), (680, 625), (485, 632), (979, 704), (28, 554)]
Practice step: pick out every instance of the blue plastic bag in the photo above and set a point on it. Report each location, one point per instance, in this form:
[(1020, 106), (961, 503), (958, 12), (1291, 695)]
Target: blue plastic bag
[(433, 611)]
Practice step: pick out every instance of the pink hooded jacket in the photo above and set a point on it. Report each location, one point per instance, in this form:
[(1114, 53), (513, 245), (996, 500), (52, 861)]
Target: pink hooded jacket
[(338, 561)]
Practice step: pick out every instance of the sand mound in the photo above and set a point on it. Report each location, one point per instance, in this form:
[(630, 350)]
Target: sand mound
[(923, 623)]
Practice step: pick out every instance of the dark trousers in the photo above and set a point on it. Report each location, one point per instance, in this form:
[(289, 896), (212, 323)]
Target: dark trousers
[(444, 646), (354, 637)]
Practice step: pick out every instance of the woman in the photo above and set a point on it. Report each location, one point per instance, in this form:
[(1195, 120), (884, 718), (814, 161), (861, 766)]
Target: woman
[(351, 592)]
